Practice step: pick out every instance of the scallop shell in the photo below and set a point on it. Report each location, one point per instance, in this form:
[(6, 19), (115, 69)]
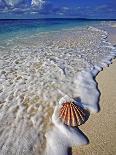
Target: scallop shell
[(72, 114)]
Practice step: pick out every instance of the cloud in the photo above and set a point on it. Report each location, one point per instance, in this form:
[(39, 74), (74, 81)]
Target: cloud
[(48, 8), (11, 3), (37, 2), (21, 3)]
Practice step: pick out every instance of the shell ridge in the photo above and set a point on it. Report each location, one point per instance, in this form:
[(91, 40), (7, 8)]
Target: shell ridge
[(69, 115), (73, 116), (65, 115), (62, 112), (81, 113), (77, 115)]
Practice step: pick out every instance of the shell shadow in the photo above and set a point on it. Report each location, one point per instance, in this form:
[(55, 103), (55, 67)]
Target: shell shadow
[(86, 116), (69, 151), (78, 100)]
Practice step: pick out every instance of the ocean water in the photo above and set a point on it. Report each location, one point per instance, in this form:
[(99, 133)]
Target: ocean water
[(11, 28), (43, 63)]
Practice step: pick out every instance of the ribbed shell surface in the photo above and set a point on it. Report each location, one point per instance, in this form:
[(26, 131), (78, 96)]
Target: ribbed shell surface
[(72, 115)]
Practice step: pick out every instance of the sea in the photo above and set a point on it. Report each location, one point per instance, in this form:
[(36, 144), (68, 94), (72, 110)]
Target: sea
[(13, 27)]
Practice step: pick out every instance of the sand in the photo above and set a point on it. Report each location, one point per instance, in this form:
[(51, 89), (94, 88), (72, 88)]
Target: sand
[(101, 127)]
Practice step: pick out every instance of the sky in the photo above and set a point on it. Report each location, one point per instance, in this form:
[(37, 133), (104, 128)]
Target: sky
[(25, 9)]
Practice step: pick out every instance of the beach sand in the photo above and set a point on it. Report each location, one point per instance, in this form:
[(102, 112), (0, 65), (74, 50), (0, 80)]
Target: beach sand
[(101, 127)]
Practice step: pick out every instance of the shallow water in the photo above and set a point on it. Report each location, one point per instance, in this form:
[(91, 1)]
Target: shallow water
[(35, 72), (25, 28)]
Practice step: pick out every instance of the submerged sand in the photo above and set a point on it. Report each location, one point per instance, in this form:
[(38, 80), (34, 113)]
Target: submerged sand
[(101, 127)]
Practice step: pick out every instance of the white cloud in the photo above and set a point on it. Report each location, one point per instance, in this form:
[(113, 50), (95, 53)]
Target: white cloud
[(14, 3), (11, 2), (34, 12), (37, 2), (65, 8), (60, 13)]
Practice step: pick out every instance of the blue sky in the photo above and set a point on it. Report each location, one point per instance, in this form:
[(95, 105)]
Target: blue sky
[(57, 8)]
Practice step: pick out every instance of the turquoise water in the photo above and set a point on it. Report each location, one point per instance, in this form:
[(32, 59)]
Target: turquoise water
[(20, 28)]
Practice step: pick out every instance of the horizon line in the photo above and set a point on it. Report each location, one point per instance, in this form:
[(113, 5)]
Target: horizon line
[(112, 19)]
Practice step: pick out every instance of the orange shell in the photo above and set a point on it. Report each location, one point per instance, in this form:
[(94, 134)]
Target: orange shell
[(72, 114)]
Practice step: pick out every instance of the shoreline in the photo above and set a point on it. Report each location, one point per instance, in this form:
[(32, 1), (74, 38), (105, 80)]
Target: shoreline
[(100, 128)]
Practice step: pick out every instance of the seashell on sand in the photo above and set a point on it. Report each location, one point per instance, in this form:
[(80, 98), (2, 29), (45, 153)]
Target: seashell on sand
[(72, 114)]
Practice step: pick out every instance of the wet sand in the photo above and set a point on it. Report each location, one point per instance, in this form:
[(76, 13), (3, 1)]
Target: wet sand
[(101, 127)]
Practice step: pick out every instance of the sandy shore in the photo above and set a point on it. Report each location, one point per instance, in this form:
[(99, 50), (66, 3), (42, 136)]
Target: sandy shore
[(101, 127)]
